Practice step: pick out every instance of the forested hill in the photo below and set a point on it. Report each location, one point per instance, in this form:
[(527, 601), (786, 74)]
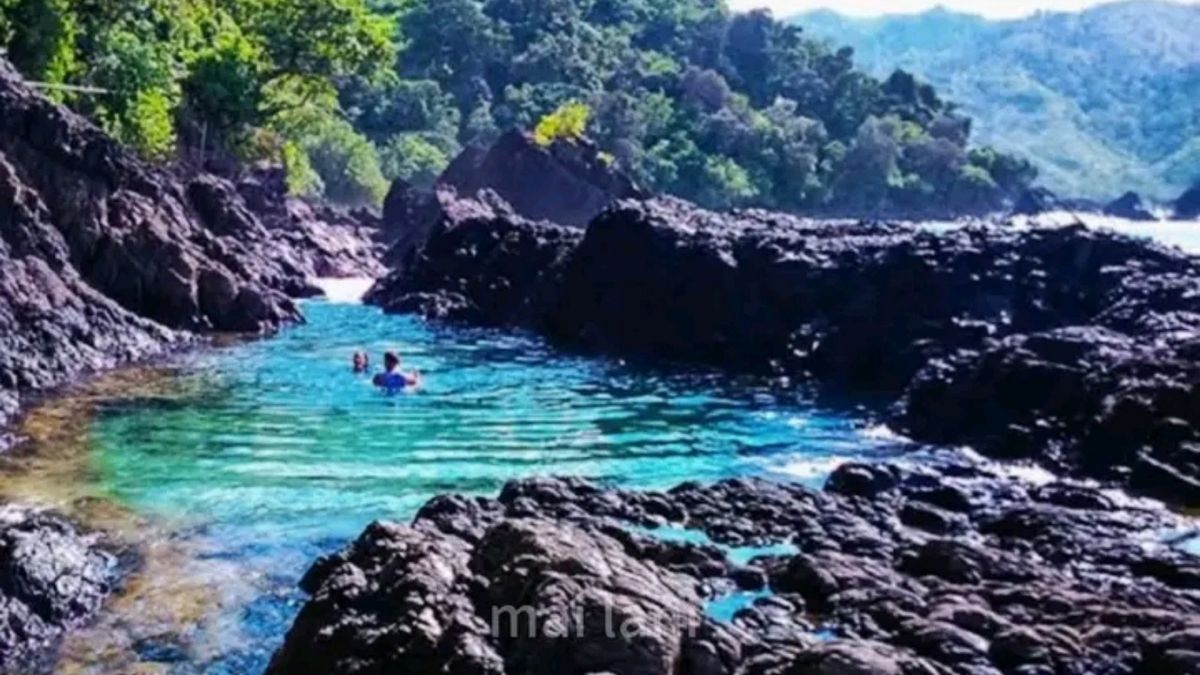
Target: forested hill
[(724, 109), (1102, 101)]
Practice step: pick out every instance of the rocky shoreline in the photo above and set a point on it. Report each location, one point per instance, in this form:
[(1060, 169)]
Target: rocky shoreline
[(1072, 347), (945, 567), (106, 260)]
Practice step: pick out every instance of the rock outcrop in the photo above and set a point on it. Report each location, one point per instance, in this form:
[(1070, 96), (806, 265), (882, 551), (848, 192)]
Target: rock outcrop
[(944, 569), (1187, 207), (857, 306), (483, 264), (1130, 207), (316, 239), (1035, 201), (52, 578), (106, 259), (567, 183)]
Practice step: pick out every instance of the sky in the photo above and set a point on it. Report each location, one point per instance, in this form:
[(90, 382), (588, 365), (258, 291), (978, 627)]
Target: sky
[(997, 9)]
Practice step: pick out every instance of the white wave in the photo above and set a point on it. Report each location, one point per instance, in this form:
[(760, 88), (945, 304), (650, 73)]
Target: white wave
[(812, 468), (344, 291), (884, 433)]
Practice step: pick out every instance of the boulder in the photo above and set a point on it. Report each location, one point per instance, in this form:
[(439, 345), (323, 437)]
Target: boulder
[(52, 578), (1130, 207), (1187, 207), (1035, 201), (567, 183), (483, 263)]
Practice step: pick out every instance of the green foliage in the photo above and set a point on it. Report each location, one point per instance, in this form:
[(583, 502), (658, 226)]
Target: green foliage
[(215, 75), (148, 124), (41, 38), (568, 123), (302, 178), (727, 109), (414, 159), (1102, 101), (344, 159)]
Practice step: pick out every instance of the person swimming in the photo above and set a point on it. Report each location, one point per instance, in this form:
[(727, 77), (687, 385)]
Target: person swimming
[(392, 380), (361, 363)]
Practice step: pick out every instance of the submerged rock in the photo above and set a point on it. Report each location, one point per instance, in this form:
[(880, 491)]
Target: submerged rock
[(560, 575), (1130, 207), (52, 578)]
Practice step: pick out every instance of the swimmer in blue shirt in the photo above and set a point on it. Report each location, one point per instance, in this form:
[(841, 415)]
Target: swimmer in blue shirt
[(392, 380)]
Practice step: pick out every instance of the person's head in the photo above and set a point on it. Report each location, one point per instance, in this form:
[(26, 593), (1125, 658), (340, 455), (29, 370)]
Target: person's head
[(361, 361), (391, 361)]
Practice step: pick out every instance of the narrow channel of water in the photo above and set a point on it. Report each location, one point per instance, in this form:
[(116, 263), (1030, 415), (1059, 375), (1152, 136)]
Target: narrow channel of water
[(232, 469)]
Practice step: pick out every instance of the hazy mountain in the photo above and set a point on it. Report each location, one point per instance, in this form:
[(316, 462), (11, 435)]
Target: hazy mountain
[(1102, 101)]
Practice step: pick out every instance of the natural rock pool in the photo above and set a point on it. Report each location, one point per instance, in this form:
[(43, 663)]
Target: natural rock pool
[(230, 470)]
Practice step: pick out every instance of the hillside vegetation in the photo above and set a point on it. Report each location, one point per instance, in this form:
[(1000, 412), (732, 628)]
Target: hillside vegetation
[(725, 109), (1101, 101)]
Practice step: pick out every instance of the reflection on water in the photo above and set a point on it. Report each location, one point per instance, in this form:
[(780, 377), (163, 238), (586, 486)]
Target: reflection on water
[(230, 471)]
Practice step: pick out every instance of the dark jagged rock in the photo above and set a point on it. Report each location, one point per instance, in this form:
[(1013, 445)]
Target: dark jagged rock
[(1087, 400), (318, 240), (864, 306), (1130, 207), (1034, 202), (1187, 207), (104, 260), (409, 215), (129, 228), (567, 183), (52, 578), (1034, 584), (483, 263)]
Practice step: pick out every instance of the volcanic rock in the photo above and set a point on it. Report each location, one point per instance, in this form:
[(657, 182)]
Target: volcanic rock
[(566, 183), (1130, 207), (1187, 207), (1082, 334), (543, 579), (52, 578)]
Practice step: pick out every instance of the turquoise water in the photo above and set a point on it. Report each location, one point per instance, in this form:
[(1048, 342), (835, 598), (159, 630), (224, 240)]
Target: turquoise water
[(276, 453)]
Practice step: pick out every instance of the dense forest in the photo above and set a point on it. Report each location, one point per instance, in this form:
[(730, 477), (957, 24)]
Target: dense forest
[(1102, 101), (722, 108)]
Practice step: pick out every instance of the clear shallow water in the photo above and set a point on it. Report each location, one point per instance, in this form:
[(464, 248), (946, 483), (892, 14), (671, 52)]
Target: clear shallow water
[(274, 453)]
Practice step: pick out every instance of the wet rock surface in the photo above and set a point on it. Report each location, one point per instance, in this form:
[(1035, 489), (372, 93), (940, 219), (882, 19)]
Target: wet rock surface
[(52, 578), (948, 568)]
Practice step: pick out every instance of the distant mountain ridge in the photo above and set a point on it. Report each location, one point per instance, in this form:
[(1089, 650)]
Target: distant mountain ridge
[(1103, 101)]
